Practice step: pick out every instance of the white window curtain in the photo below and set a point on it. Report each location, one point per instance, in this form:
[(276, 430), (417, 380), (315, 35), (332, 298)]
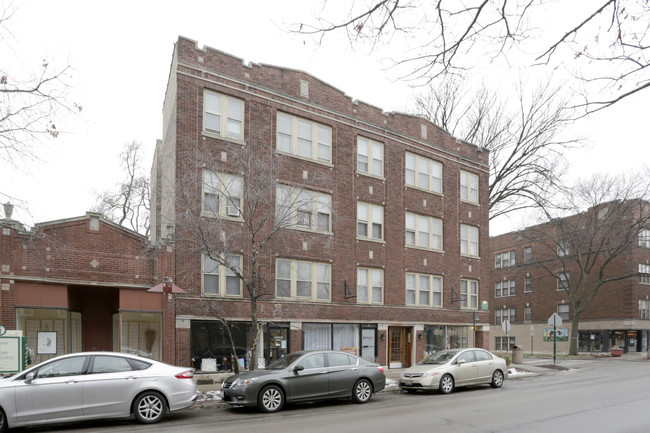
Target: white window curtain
[(317, 336), (344, 336)]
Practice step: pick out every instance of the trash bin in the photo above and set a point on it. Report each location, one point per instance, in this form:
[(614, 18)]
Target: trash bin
[(517, 355)]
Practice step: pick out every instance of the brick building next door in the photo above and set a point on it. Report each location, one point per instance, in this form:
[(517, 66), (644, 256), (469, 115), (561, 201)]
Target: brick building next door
[(399, 344)]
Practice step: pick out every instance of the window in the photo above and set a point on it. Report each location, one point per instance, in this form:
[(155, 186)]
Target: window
[(468, 240), (504, 343), (563, 248), (302, 280), (644, 309), (222, 194), (110, 364), (370, 157), (423, 290), (563, 280), (223, 115), (528, 284), (304, 209), (644, 270), (370, 286), (423, 231), (469, 294), (370, 221), (504, 288), (304, 138), (424, 173), (528, 254), (505, 314), (468, 187), (504, 260), (219, 279), (62, 367), (528, 314), (644, 238), (563, 311)]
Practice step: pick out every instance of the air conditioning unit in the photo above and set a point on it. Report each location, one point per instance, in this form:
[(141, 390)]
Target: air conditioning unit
[(232, 211)]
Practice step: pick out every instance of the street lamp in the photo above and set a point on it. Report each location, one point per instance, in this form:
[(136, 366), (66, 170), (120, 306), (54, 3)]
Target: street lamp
[(484, 307)]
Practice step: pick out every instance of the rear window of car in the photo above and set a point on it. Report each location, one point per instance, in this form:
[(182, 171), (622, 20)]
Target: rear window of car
[(116, 364), (482, 356), (339, 359)]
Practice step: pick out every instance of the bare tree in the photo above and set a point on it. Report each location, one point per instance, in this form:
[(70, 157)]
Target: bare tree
[(603, 44), (128, 206), (229, 213), (588, 250), (526, 140), (31, 102)]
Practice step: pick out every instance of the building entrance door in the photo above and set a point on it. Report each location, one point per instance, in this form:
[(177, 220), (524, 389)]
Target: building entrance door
[(399, 346)]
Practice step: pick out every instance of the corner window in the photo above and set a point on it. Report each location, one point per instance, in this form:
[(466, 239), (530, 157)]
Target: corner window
[(223, 115), (222, 194), (370, 157), (423, 290), (424, 173), (370, 286), (296, 279), (220, 276), (370, 221), (304, 138), (468, 187), (468, 240)]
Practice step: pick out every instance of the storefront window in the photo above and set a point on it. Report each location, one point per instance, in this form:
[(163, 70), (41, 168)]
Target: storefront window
[(211, 349), (591, 341), (138, 333), (65, 324), (340, 336), (445, 337)]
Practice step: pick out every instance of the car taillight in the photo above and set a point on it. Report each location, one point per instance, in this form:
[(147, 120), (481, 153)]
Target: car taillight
[(380, 368), (185, 375)]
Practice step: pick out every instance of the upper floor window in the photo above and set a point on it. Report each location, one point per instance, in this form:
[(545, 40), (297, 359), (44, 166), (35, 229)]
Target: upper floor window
[(504, 260), (370, 221), (469, 294), (423, 231), (219, 278), (296, 279), (644, 270), (304, 209), (468, 186), (370, 157), (370, 286), (223, 115), (423, 290), (504, 288), (222, 194), (563, 280), (528, 254), (505, 314), (644, 238), (563, 311), (528, 314), (563, 248), (468, 240), (302, 137), (423, 173), (528, 284), (644, 309)]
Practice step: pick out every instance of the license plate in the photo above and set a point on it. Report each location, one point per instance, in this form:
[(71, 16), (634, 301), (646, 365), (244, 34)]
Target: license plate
[(408, 383)]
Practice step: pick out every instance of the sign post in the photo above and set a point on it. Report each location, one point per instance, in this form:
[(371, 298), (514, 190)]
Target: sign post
[(555, 320)]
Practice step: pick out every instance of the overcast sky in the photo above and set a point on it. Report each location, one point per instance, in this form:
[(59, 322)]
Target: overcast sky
[(120, 52)]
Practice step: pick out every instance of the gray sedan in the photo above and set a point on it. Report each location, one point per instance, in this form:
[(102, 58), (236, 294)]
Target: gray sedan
[(91, 385), (448, 369), (305, 376)]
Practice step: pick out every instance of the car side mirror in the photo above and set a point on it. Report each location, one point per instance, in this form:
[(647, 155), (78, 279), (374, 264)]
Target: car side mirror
[(298, 368), (460, 362), (29, 377)]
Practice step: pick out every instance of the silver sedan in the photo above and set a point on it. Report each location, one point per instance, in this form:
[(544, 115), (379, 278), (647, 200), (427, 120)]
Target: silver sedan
[(93, 385), (448, 369)]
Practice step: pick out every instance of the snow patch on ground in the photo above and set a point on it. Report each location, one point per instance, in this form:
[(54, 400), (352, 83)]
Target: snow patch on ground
[(514, 373)]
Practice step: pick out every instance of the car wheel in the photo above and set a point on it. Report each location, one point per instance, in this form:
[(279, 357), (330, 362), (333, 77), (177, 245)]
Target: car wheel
[(3, 422), (446, 384), (497, 379), (149, 407), (271, 399), (362, 391)]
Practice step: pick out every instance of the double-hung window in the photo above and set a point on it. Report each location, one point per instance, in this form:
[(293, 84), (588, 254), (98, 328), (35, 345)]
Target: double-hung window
[(563, 310), (469, 294), (644, 270), (370, 286), (423, 290), (644, 238), (563, 279), (297, 279), (370, 157), (469, 187), (370, 221), (423, 231), (222, 194), (563, 248), (468, 240), (424, 173), (220, 277), (504, 260), (223, 115), (304, 138), (304, 209), (504, 288)]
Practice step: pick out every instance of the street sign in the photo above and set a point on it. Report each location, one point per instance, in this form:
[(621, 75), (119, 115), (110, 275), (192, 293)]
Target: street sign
[(506, 326), (556, 322)]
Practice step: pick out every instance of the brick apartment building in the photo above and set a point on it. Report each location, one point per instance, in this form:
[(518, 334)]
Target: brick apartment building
[(387, 260), (82, 284), (527, 287)]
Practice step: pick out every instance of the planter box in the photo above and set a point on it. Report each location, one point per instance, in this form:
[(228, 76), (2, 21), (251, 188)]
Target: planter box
[(616, 352)]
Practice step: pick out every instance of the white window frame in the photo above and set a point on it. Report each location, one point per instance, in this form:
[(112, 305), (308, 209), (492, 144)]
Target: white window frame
[(223, 273), (292, 204), (420, 225), (227, 113), (504, 288), (644, 269), (469, 240), (417, 284), (228, 189), (370, 285), (370, 215), (528, 314), (504, 260), (528, 284), (528, 254), (644, 238), (417, 168), (289, 140), (563, 279), (374, 157), (565, 315), (563, 248), (320, 274), (469, 187), (469, 294)]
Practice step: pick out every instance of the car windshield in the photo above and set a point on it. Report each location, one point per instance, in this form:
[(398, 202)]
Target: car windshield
[(284, 362), (438, 357)]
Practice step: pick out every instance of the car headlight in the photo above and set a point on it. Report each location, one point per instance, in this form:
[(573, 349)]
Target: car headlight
[(243, 382), (430, 373)]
